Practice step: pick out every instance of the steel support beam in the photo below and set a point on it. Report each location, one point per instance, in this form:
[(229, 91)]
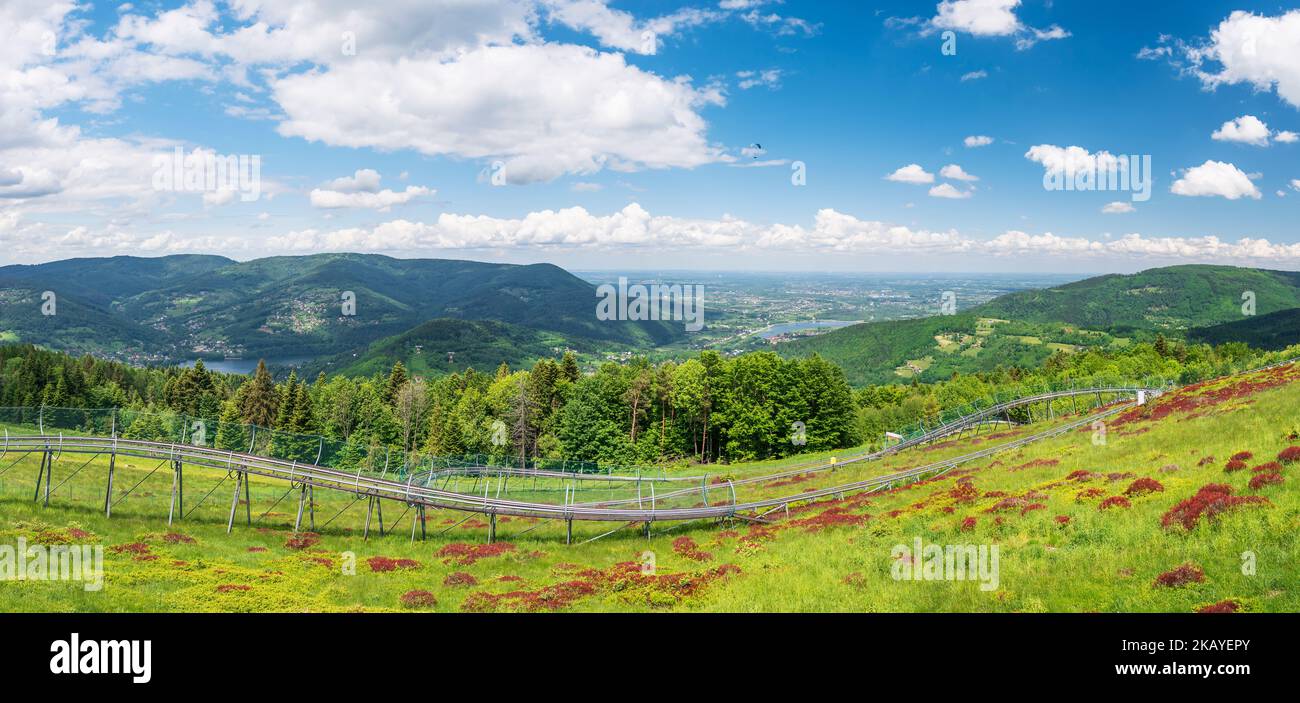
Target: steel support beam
[(234, 501), (40, 475), (302, 499), (108, 493)]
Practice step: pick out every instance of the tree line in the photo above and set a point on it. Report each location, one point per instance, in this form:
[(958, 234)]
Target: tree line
[(707, 409)]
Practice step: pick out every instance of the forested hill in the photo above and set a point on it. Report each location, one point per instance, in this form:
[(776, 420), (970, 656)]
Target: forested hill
[(1167, 299), (1276, 330), (182, 306), (448, 345), (707, 408), (1025, 328)]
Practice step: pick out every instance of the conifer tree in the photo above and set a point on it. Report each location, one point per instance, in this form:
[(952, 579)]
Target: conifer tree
[(260, 400)]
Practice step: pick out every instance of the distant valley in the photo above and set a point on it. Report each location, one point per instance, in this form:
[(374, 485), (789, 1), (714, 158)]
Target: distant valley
[(443, 316)]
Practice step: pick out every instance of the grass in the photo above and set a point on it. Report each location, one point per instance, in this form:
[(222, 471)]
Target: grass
[(825, 556)]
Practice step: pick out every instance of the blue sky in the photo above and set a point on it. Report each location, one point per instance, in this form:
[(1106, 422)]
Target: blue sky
[(619, 131)]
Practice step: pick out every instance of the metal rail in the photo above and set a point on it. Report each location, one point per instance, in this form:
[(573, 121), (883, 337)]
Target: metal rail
[(420, 495), (363, 486)]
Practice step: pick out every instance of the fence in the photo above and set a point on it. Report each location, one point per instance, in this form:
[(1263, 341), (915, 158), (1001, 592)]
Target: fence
[(180, 428)]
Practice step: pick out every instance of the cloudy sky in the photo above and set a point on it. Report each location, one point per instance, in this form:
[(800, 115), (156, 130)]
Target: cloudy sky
[(738, 134)]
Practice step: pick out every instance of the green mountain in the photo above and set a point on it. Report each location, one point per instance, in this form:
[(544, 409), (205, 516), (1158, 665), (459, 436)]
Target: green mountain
[(1168, 299), (1276, 330), (447, 345), (1026, 327), (292, 306), (86, 314)]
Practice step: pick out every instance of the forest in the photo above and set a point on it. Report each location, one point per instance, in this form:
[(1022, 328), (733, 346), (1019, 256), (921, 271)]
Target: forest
[(705, 409)]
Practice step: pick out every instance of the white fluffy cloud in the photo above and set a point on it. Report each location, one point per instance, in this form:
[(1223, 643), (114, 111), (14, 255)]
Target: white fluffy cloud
[(620, 30), (1216, 178), (1119, 207), (977, 140), (1286, 137), (950, 192), (365, 180), (634, 228), (361, 190), (996, 18), (955, 172), (991, 18), (597, 110), (912, 173), (1070, 159), (1259, 50), (288, 31), (382, 200), (1247, 129)]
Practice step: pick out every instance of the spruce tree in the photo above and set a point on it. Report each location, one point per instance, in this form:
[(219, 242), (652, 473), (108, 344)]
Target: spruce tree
[(260, 401), (396, 379), (231, 435), (570, 366)]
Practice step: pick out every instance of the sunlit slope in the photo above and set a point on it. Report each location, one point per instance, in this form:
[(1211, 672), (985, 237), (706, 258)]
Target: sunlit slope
[(1025, 328), (1080, 524)]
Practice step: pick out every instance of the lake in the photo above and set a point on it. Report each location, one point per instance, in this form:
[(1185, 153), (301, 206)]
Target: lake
[(245, 366), (788, 327)]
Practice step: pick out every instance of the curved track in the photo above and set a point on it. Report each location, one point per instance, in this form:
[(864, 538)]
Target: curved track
[(419, 490)]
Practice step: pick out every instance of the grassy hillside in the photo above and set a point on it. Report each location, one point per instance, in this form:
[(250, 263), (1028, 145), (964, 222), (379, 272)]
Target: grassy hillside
[(180, 307), (87, 295), (1075, 529), (1276, 330), (480, 344), (1026, 327), (1171, 299)]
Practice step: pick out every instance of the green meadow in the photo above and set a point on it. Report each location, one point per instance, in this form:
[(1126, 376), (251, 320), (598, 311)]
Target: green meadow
[(1076, 528)]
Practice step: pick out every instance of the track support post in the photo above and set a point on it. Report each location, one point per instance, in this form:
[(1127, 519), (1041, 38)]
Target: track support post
[(40, 475), (108, 492), (49, 476), (418, 520), (178, 492), (234, 501), (302, 499), (370, 511)]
